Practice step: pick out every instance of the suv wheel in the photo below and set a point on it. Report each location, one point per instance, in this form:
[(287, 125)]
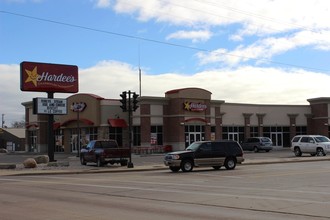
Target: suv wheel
[(320, 152), (230, 163), (297, 152), (186, 165)]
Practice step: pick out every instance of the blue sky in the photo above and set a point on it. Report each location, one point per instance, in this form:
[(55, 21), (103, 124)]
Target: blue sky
[(260, 51)]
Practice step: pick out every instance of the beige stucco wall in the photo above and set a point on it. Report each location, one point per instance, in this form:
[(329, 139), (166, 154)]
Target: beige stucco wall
[(274, 114)]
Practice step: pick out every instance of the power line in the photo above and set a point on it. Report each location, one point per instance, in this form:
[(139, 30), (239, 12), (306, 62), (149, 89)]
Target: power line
[(101, 31), (156, 41), (250, 14)]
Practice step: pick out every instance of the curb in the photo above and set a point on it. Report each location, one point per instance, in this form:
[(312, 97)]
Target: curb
[(10, 171)]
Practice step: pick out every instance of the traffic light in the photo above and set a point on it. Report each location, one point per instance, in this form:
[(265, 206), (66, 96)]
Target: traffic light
[(135, 101), (123, 101)]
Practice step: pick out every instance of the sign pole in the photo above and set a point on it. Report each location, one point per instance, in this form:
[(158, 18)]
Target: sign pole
[(78, 132), (51, 141)]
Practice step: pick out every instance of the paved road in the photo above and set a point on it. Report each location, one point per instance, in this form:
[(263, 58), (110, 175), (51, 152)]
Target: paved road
[(269, 192)]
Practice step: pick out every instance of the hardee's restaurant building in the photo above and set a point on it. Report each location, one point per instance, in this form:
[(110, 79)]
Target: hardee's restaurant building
[(174, 121)]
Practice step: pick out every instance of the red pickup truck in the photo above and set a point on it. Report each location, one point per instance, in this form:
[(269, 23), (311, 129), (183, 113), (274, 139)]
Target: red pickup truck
[(103, 152)]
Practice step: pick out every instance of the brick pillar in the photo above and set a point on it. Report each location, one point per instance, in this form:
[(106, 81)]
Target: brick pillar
[(208, 121), (310, 126), (145, 124), (261, 124), (292, 118), (218, 123), (247, 125)]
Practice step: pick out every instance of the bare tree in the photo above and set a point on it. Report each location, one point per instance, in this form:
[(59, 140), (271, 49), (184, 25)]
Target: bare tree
[(18, 124)]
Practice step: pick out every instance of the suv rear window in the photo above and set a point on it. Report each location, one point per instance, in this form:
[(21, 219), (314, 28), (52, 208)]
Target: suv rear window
[(295, 139)]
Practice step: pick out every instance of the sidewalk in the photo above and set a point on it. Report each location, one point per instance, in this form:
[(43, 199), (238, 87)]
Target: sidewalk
[(71, 165)]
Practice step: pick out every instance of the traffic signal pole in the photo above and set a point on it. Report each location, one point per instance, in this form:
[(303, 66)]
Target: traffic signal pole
[(130, 164), (129, 104)]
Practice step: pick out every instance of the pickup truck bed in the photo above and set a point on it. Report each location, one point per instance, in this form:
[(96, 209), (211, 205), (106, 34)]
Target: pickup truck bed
[(103, 152)]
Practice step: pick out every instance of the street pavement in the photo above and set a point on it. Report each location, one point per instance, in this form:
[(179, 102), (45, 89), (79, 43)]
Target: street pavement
[(12, 163)]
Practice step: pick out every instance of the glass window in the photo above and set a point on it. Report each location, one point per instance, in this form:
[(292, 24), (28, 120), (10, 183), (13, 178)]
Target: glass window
[(191, 128), (304, 139), (295, 139), (116, 133), (136, 135), (206, 147), (267, 129), (158, 131), (59, 141)]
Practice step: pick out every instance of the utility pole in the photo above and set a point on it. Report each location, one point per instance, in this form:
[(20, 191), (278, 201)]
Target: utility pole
[(3, 120)]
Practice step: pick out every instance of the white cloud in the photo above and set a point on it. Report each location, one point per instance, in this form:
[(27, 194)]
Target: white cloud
[(195, 36), (263, 50), (256, 16), (102, 3), (242, 85)]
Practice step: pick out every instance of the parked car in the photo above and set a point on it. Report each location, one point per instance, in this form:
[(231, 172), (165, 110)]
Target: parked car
[(206, 153), (312, 144), (257, 143), (102, 152)]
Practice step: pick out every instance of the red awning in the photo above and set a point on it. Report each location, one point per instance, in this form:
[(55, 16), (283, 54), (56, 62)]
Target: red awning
[(117, 123), (56, 125), (84, 120), (33, 125)]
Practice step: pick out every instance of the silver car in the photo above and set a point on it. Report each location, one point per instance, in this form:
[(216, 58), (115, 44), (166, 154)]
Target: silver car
[(257, 143), (312, 144)]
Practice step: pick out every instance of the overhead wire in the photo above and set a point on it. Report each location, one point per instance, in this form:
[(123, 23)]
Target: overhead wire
[(156, 41)]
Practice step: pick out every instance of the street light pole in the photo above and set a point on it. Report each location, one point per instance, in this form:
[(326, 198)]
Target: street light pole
[(3, 120)]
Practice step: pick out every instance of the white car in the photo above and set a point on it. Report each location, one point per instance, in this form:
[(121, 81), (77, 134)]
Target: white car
[(312, 144)]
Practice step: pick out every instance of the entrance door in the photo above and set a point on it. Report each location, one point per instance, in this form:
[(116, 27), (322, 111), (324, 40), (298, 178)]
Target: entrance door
[(194, 136), (74, 143), (277, 139), (233, 136), (194, 133)]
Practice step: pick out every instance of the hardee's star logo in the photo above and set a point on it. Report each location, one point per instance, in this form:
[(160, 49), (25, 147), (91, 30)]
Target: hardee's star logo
[(33, 76), (186, 106)]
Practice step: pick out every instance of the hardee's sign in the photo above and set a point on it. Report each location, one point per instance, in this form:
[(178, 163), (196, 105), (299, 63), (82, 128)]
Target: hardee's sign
[(46, 77), (194, 107)]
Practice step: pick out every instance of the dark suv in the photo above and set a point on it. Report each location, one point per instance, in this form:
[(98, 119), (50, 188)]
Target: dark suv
[(206, 153), (258, 143)]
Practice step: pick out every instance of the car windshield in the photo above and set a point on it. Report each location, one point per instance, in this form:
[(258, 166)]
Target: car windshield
[(322, 139), (194, 146)]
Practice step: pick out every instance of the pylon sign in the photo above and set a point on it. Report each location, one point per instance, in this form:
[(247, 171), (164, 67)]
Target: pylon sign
[(47, 77)]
